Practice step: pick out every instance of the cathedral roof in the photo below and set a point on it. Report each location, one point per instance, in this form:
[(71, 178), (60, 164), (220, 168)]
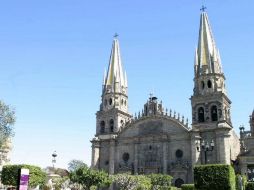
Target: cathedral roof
[(115, 72), (207, 58)]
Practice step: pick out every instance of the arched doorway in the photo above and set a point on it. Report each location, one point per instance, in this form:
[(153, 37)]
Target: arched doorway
[(179, 182)]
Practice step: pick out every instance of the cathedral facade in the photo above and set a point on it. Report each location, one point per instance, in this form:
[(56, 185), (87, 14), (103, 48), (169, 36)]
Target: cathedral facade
[(159, 140)]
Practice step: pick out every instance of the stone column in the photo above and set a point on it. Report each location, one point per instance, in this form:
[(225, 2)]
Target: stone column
[(95, 154), (136, 158), (165, 165), (222, 146), (195, 154), (112, 156)]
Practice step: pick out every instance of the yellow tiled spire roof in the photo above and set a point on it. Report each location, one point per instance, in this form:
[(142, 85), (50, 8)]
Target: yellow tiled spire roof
[(207, 57), (115, 73)]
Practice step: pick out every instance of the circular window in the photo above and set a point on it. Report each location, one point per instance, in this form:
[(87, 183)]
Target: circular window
[(126, 156), (179, 153)]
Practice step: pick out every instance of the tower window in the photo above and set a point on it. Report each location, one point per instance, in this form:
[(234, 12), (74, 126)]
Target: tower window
[(122, 101), (209, 84), (102, 127), (201, 114), (202, 84), (214, 114), (111, 125), (110, 101)]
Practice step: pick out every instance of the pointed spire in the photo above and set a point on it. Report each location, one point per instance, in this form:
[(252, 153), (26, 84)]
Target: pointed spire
[(104, 77), (207, 57), (115, 71)]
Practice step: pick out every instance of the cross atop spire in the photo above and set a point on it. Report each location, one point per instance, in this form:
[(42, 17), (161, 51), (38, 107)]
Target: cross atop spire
[(115, 73), (116, 35), (203, 8), (207, 58)]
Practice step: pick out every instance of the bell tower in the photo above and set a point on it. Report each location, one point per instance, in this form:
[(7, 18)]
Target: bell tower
[(113, 111), (210, 103), (211, 120)]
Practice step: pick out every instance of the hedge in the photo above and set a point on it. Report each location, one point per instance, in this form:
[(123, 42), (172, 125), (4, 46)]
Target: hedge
[(188, 187), (214, 177), (10, 175), (249, 186), (160, 181)]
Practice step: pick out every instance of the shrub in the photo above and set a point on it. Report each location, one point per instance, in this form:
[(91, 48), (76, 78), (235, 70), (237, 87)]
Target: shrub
[(249, 186), (132, 182), (214, 177), (244, 181), (188, 187), (10, 175), (160, 181), (87, 178)]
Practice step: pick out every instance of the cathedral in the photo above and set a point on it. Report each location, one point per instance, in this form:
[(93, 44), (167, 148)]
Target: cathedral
[(158, 140)]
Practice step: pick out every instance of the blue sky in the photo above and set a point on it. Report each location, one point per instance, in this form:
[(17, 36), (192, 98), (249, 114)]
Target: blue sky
[(53, 54)]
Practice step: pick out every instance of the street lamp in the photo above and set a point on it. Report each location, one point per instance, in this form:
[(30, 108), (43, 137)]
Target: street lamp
[(54, 155), (205, 147)]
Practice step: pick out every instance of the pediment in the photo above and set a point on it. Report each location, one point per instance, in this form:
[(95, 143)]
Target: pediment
[(153, 126)]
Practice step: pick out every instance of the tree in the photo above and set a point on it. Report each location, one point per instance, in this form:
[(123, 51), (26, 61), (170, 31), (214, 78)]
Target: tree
[(75, 164), (10, 175), (7, 120), (87, 178), (132, 182)]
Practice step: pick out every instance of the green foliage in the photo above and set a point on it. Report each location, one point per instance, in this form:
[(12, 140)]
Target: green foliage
[(237, 182), (160, 181), (143, 182), (75, 164), (59, 182), (7, 121), (188, 187), (132, 182), (214, 177), (87, 178), (125, 182), (249, 186), (10, 175)]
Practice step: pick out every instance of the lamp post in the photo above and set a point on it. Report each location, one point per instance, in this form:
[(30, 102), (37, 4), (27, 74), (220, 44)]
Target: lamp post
[(205, 147), (54, 155)]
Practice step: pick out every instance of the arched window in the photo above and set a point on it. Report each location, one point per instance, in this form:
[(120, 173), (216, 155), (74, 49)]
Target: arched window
[(214, 114), (201, 114), (179, 182), (179, 153), (202, 84), (209, 84), (102, 127), (126, 157), (111, 125), (110, 101)]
